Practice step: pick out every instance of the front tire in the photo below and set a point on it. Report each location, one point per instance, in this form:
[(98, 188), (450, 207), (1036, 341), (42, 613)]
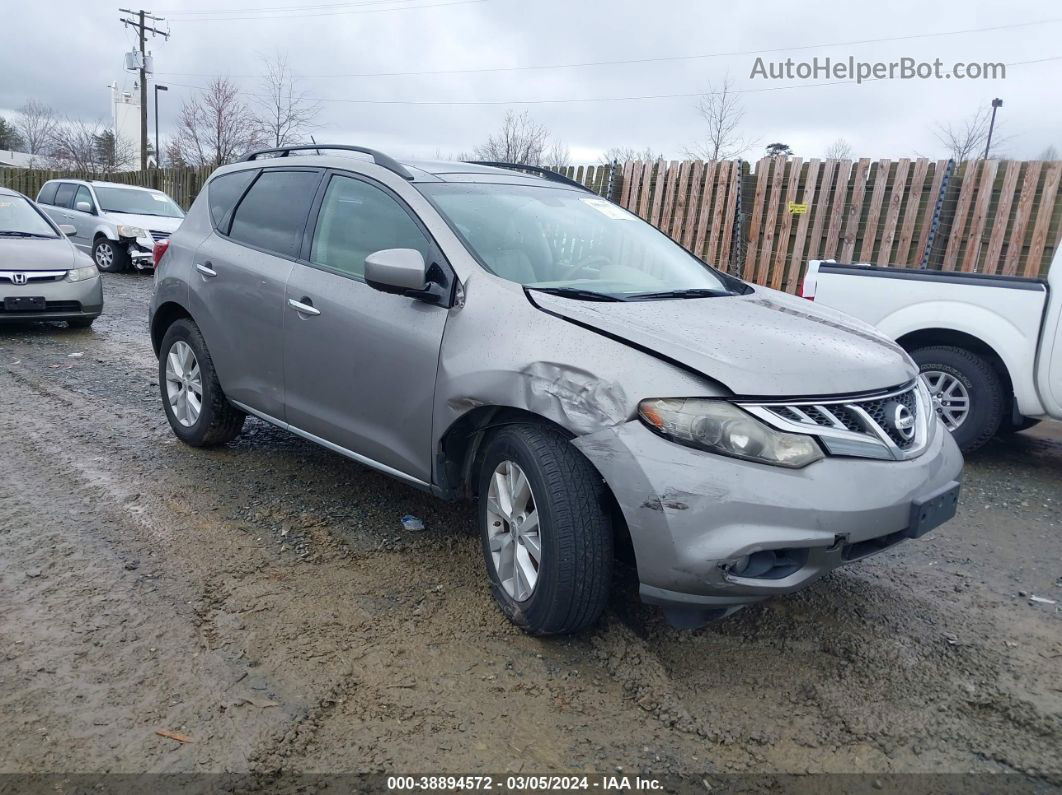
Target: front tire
[(109, 256), (80, 322), (199, 413), (967, 392), (545, 530)]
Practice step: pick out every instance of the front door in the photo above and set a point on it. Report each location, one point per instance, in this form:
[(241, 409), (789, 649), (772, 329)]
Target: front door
[(360, 364), (237, 289), (83, 220)]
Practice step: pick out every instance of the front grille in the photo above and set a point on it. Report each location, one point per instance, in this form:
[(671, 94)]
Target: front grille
[(32, 277), (889, 425), (158, 235)]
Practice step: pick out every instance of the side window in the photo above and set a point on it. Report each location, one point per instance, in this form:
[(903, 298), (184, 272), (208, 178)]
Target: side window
[(65, 194), (357, 219), (83, 195), (222, 194), (47, 194), (273, 213)]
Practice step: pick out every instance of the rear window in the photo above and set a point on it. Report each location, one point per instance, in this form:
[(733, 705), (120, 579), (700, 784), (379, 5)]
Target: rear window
[(273, 213), (47, 194), (223, 193), (65, 193)]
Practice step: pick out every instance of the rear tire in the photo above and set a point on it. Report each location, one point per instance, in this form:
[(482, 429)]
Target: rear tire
[(574, 530), (109, 256), (982, 384), (217, 421)]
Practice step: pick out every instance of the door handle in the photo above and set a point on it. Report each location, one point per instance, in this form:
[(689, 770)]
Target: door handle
[(206, 270), (304, 306)]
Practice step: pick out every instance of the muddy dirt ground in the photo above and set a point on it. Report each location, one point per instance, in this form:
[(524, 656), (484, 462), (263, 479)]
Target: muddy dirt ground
[(263, 600)]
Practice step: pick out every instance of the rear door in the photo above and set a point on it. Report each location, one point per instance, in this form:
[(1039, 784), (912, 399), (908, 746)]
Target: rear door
[(62, 200), (360, 366), (237, 288)]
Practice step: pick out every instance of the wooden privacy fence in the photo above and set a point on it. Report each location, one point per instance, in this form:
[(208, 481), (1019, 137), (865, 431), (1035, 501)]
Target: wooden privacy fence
[(182, 184), (994, 216)]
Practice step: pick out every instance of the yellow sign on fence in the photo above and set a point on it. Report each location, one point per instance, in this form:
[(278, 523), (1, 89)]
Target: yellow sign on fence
[(797, 209)]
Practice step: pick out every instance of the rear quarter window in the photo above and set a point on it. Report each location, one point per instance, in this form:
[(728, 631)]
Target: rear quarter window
[(47, 194), (222, 194)]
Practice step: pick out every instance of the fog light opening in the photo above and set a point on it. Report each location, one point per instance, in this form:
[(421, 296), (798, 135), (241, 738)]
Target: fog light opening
[(769, 564)]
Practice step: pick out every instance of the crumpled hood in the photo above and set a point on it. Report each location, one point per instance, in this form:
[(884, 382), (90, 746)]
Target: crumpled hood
[(38, 254), (766, 343), (157, 222)]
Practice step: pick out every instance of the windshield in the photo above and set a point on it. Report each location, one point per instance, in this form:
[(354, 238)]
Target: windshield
[(137, 202), (19, 218), (571, 242)]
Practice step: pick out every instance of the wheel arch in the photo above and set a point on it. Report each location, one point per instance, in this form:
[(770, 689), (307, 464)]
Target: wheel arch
[(923, 338), (163, 318), (460, 449)]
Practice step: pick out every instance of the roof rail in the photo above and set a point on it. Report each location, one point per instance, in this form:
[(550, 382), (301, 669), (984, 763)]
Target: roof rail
[(379, 158), (542, 172)]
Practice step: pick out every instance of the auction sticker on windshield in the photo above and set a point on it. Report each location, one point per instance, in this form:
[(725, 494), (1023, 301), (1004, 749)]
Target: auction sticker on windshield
[(609, 209)]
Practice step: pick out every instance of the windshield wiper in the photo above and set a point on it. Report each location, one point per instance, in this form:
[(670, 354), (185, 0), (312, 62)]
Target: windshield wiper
[(577, 293), (15, 233), (693, 292)]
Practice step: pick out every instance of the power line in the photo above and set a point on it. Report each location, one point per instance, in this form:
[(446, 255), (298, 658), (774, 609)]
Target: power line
[(659, 59), (319, 7), (571, 100), (332, 13)]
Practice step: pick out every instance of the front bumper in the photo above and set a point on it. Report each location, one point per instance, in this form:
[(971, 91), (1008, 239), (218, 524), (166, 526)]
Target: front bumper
[(692, 514), (64, 300)]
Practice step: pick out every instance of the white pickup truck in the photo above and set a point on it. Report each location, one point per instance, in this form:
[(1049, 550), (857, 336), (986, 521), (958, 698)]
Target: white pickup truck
[(989, 347)]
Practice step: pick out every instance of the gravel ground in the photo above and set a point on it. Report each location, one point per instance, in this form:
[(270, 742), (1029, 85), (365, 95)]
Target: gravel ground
[(264, 601)]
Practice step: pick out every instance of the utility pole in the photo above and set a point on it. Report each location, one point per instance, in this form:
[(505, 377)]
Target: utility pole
[(139, 23), (996, 104)]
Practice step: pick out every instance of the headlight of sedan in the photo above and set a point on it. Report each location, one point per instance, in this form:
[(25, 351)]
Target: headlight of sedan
[(131, 231), (721, 427), (81, 274)]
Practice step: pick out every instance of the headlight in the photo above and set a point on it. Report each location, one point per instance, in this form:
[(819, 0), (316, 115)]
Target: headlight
[(81, 274), (131, 231), (721, 427)]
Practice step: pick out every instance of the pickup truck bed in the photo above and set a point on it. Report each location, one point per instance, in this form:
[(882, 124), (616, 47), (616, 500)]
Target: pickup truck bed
[(987, 345)]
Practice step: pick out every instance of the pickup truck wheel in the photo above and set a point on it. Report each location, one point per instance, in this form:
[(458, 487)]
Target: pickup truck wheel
[(966, 390), (545, 530), (199, 413)]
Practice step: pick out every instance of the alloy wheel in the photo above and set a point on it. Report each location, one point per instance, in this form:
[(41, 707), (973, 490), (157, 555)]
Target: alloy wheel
[(951, 400), (513, 531), (184, 383), (104, 255)]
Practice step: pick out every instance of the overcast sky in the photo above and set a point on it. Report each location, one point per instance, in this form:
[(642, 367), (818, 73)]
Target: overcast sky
[(66, 52)]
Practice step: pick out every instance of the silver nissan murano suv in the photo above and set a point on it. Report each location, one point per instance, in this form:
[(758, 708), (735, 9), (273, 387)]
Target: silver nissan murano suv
[(498, 333)]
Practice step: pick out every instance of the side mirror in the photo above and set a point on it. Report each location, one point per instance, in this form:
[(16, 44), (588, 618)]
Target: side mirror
[(396, 270), (68, 229), (83, 207)]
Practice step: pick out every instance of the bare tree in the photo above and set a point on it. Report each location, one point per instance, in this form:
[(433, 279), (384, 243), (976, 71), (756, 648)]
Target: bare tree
[(966, 140), (520, 140), (90, 148), (1049, 153), (722, 110), (558, 156), (214, 127), (623, 154), (839, 150), (36, 124), (285, 115)]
